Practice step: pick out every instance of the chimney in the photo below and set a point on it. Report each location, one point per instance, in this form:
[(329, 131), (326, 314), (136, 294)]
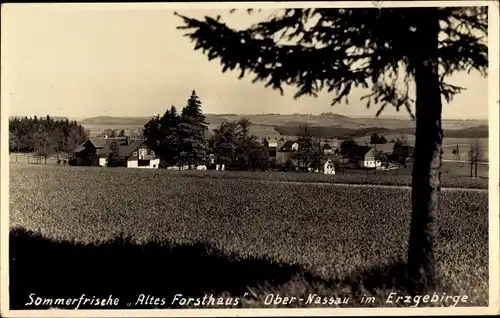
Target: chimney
[(127, 140)]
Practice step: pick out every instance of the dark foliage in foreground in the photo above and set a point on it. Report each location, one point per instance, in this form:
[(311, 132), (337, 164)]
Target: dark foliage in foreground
[(123, 269), (119, 267)]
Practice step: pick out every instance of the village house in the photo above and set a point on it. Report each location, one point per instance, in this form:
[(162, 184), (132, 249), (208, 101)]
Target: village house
[(327, 149), (329, 167), (365, 157), (86, 154), (133, 153)]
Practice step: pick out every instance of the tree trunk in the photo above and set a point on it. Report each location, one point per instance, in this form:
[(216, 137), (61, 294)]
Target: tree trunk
[(427, 159), (471, 167), (475, 168)]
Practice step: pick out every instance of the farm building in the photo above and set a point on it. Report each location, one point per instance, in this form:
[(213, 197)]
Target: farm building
[(365, 157), (87, 153), (132, 153)]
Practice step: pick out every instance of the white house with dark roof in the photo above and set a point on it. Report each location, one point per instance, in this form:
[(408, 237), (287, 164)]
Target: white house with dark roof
[(329, 167)]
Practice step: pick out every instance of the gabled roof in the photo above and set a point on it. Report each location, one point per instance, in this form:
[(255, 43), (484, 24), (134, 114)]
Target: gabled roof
[(82, 146), (329, 162), (360, 152), (125, 150), (384, 147), (79, 148), (131, 147), (100, 142)]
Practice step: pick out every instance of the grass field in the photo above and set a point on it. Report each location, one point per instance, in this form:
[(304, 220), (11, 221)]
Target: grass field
[(228, 236), (454, 174)]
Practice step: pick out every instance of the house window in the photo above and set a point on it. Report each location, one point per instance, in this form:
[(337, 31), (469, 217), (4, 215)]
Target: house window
[(152, 153), (143, 153), (143, 163), (134, 154)]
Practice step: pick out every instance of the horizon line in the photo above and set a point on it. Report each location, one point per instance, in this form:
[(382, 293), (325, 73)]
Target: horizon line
[(359, 116)]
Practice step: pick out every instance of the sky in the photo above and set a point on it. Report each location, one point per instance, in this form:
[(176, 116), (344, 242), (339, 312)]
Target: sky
[(78, 62)]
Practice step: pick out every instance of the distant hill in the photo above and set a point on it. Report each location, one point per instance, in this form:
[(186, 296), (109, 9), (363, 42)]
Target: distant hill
[(344, 133), (271, 120), (327, 125)]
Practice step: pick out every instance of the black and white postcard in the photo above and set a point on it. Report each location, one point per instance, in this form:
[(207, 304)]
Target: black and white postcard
[(249, 159)]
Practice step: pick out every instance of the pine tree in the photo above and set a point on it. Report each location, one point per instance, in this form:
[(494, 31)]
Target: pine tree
[(337, 49), (193, 110), (192, 130)]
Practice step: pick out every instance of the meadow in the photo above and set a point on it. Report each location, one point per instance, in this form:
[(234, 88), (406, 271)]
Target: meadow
[(453, 174), (172, 233)]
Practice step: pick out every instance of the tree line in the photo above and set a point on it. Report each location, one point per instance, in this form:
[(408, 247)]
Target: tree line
[(44, 137), (183, 138)]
